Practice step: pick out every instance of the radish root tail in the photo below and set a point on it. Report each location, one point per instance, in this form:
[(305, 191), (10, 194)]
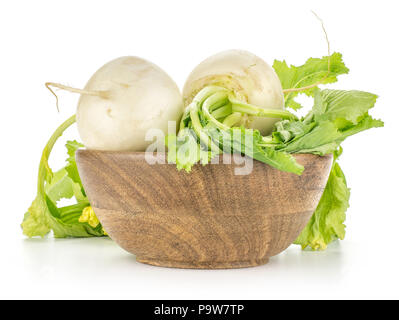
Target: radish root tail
[(49, 85), (328, 63)]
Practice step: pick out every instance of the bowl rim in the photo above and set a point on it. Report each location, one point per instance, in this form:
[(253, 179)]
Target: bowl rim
[(143, 153)]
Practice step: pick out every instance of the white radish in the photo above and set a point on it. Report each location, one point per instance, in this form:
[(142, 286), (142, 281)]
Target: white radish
[(122, 101), (250, 79)]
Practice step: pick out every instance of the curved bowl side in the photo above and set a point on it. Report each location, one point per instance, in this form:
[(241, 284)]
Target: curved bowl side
[(209, 218)]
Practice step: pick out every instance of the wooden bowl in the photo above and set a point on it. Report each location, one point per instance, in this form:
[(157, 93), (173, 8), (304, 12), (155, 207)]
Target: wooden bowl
[(207, 219)]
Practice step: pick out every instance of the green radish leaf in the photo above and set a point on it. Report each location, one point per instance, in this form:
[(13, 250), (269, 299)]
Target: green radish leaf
[(327, 222), (71, 167), (43, 215), (313, 71), (330, 105), (250, 142)]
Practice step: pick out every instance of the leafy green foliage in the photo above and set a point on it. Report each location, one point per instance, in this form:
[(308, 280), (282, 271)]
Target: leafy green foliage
[(327, 222), (202, 136), (36, 219), (250, 142), (44, 215), (71, 167), (321, 140), (185, 151), (313, 71), (330, 105), (336, 115)]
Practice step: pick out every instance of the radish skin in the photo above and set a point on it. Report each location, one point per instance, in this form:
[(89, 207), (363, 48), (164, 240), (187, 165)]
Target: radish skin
[(250, 79), (134, 96)]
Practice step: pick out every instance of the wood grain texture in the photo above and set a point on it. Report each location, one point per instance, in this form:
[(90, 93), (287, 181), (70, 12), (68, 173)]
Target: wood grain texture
[(209, 218)]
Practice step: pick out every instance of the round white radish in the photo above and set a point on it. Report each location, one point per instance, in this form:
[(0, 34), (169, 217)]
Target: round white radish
[(248, 76), (134, 96)]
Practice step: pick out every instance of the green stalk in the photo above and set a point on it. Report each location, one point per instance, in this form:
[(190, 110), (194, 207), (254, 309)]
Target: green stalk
[(197, 126), (206, 92), (222, 112), (218, 103), (45, 172), (268, 142), (186, 114), (214, 99), (238, 106), (232, 119), (73, 212), (38, 221), (199, 98)]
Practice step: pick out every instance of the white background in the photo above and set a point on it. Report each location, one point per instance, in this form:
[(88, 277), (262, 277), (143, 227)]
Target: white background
[(66, 41)]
